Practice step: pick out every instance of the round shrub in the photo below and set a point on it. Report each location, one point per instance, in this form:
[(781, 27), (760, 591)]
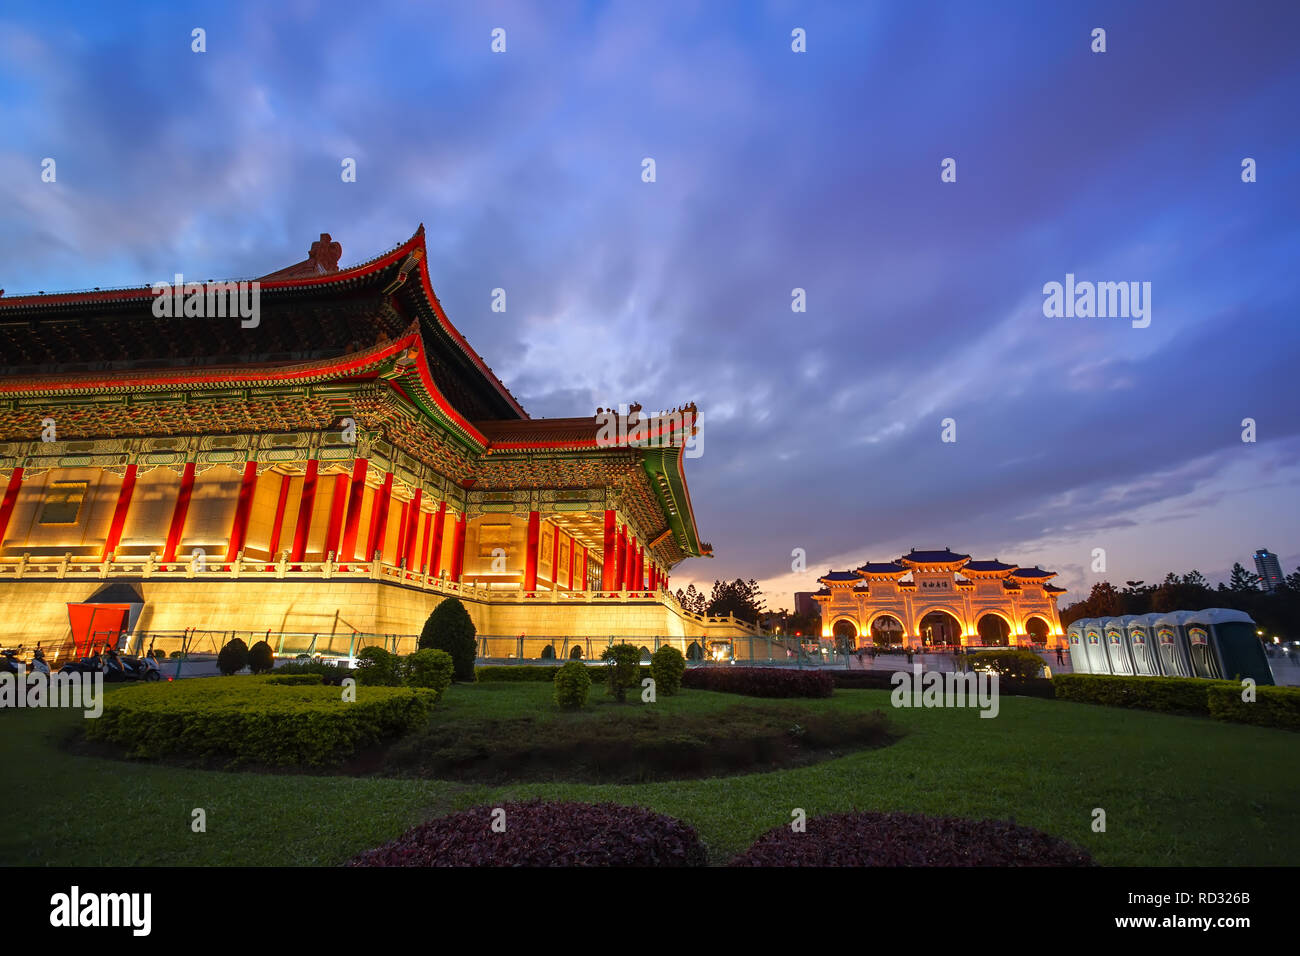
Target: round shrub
[(378, 668), (624, 669), (572, 683), (261, 658), (1013, 662), (430, 668), (539, 833), (449, 628), (667, 666), (233, 657), (576, 653), (910, 839)]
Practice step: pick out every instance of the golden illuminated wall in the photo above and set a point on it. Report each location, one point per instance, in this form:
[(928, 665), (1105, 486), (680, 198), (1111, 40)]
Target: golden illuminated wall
[(150, 514), (212, 512), (84, 536)]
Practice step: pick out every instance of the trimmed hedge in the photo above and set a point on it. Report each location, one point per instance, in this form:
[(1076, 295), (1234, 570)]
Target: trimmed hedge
[(539, 833), (1171, 695), (1012, 662), (429, 668), (295, 680), (909, 839), (666, 667), (261, 658), (760, 681), (572, 684), (880, 680), (1273, 706), (233, 657), (249, 720), (377, 667)]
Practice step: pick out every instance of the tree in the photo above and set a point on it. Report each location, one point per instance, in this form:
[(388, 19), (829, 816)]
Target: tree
[(233, 657), (449, 628), (741, 598), (691, 600), (1242, 580)]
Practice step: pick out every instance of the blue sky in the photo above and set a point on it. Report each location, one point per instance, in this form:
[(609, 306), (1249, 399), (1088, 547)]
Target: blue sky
[(775, 170)]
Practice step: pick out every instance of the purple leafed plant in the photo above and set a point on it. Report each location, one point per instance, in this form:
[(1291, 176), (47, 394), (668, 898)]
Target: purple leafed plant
[(542, 833), (909, 839)]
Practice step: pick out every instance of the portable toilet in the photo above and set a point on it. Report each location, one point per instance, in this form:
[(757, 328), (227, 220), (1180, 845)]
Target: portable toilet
[(1171, 643), (1115, 640), (1233, 646), (1078, 651), (1141, 644), (1096, 650)]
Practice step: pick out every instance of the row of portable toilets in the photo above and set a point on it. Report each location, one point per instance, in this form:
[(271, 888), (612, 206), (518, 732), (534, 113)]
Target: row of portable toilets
[(1215, 643)]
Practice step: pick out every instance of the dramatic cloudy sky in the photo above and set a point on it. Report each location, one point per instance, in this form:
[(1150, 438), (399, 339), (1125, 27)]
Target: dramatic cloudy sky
[(776, 170)]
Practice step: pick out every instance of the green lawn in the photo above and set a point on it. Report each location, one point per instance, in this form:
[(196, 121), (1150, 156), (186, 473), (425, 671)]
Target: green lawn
[(1176, 790)]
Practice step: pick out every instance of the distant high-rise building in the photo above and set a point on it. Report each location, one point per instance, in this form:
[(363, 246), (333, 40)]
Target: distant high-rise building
[(804, 603), (1268, 569)]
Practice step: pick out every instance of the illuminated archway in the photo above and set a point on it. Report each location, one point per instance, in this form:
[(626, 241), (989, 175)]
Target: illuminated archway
[(845, 634), (939, 626), (1037, 629), (887, 630), (994, 630)]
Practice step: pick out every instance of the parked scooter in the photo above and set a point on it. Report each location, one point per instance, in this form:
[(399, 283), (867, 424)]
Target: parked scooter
[(9, 661)]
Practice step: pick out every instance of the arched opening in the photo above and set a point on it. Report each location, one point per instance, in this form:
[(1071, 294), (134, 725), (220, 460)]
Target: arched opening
[(1037, 629), (548, 652), (576, 653), (886, 631), (993, 630), (845, 634), (694, 652), (939, 627)]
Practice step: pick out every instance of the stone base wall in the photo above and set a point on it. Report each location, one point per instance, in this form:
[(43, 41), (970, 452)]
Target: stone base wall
[(35, 611)]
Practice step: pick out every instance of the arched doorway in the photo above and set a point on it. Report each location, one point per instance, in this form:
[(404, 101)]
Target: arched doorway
[(1037, 629), (845, 634), (993, 630), (886, 631), (939, 627)]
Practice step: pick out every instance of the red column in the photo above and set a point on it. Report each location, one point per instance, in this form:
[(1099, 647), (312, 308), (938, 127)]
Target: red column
[(400, 553), (436, 547), (412, 523), (620, 560), (280, 505), (10, 501), (428, 536), (530, 555), (119, 512), (555, 557), (607, 578), (178, 514), (239, 529), (352, 523), (640, 568), (458, 548), (584, 569), (651, 583), (338, 507), (573, 545), (379, 519), (305, 505)]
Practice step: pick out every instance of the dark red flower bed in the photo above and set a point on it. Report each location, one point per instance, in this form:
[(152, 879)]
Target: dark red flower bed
[(759, 681), (909, 839), (541, 833)]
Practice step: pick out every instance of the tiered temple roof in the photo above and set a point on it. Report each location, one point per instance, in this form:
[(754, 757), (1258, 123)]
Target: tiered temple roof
[(370, 341)]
